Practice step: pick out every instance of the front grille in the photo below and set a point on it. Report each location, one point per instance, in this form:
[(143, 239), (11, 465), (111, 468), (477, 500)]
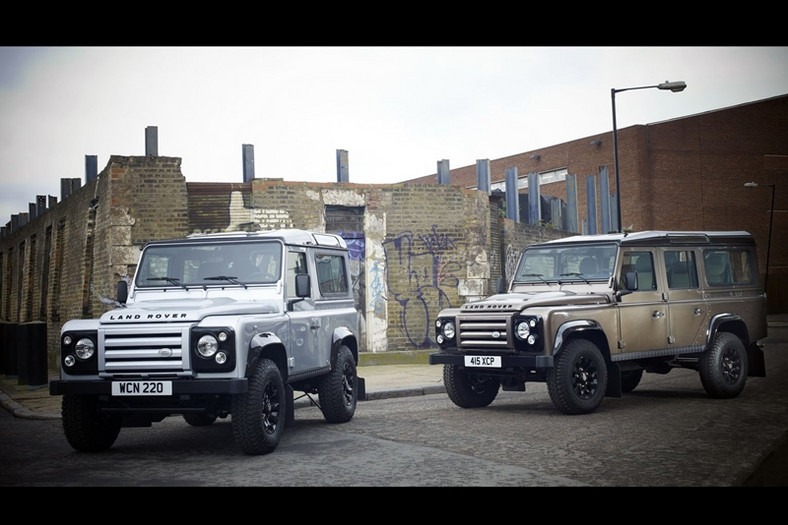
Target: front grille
[(156, 350), (483, 333)]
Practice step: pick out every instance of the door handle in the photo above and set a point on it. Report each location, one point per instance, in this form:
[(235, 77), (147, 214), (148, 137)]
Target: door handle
[(697, 311), (657, 314)]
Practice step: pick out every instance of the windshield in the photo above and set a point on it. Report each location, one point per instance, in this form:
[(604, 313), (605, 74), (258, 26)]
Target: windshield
[(184, 265), (567, 263)]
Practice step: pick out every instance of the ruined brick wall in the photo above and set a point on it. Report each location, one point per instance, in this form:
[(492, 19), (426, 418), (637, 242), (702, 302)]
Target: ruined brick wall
[(65, 263)]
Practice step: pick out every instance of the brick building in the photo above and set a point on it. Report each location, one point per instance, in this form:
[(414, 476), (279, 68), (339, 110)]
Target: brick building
[(683, 174), (417, 246)]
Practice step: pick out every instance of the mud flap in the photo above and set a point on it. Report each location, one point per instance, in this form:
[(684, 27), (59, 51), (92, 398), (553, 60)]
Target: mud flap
[(613, 380), (290, 408), (756, 365), (362, 389)]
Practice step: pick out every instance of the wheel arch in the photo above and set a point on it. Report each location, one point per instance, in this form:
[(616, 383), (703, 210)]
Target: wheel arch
[(343, 336), (582, 328), (266, 345), (728, 322)]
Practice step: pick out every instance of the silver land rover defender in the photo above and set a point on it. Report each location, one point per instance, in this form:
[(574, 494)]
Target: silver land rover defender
[(589, 314), (216, 325)]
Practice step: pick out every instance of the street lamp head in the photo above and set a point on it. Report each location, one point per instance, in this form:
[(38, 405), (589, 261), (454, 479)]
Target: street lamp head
[(751, 184), (675, 87)]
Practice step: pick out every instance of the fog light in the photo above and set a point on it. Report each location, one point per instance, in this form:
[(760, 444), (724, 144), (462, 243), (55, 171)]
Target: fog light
[(220, 358), (69, 360)]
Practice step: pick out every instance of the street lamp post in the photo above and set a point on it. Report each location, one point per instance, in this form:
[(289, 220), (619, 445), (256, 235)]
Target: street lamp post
[(675, 87), (769, 238)]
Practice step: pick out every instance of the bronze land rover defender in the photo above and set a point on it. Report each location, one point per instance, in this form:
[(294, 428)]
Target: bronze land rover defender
[(589, 314)]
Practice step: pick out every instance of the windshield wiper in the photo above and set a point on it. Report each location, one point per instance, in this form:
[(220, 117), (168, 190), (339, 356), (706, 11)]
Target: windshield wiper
[(230, 278), (171, 280), (539, 275), (576, 274)]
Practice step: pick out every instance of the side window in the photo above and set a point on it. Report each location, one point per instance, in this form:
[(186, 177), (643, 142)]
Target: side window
[(682, 271), (717, 265), (743, 266), (331, 275), (296, 263), (729, 266), (643, 264)]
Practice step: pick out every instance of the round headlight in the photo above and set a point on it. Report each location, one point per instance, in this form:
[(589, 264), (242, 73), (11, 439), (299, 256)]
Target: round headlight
[(522, 330), (448, 330), (84, 348), (207, 345)]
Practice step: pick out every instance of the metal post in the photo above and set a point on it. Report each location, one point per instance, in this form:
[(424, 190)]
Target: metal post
[(769, 240), (675, 87), (615, 162)]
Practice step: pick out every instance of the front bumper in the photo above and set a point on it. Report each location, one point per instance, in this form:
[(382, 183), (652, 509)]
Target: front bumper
[(519, 362), (179, 386)]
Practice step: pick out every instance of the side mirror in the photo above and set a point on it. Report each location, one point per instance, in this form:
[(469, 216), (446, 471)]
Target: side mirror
[(632, 281), (630, 285), (123, 291), (302, 287)]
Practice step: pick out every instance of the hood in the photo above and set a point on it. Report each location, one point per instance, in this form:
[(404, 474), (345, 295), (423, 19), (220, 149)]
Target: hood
[(513, 302), (185, 310)]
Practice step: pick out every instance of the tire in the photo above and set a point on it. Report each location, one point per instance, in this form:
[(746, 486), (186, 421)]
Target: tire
[(469, 390), (199, 420), (630, 380), (723, 366), (86, 430), (578, 379), (338, 390), (258, 416)]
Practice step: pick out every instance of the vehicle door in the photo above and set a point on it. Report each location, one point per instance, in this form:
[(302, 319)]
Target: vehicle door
[(643, 319), (334, 303), (304, 320), (687, 312)]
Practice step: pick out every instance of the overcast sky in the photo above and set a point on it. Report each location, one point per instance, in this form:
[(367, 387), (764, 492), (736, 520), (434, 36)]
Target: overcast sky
[(396, 110)]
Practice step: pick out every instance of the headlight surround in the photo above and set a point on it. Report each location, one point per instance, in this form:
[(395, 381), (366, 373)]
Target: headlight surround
[(78, 353), (445, 331), (527, 333), (213, 349)]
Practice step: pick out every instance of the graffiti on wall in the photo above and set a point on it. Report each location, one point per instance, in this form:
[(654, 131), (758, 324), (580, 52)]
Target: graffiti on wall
[(426, 262), (377, 289), (510, 264)]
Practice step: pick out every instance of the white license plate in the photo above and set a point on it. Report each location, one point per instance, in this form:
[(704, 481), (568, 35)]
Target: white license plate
[(142, 388), (485, 361)]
